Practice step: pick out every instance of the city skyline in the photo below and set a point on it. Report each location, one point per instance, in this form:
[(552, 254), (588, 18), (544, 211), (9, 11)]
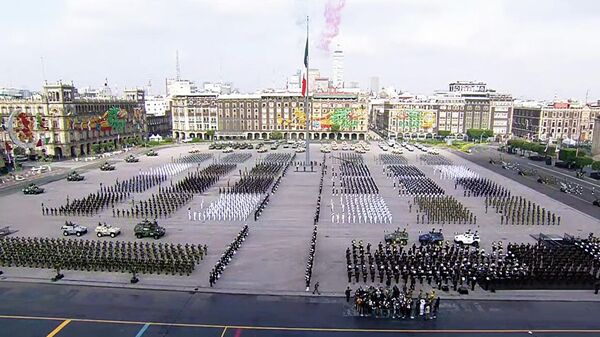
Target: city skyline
[(416, 46)]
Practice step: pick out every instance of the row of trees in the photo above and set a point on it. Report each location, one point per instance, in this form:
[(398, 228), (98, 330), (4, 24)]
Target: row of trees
[(572, 156), (539, 148), (479, 133)]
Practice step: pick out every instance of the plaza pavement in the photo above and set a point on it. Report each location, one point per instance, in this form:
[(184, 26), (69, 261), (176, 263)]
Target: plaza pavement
[(273, 258)]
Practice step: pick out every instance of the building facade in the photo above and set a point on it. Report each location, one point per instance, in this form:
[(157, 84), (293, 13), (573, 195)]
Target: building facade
[(257, 116), (555, 121), (405, 118), (194, 115), (61, 124)]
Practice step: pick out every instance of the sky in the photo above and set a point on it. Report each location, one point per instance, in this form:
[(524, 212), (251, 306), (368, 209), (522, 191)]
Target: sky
[(537, 49)]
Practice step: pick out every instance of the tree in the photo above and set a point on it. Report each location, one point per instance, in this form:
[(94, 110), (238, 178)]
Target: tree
[(596, 165), (567, 155), (479, 133), (276, 135), (96, 148), (582, 162), (444, 133), (210, 134)]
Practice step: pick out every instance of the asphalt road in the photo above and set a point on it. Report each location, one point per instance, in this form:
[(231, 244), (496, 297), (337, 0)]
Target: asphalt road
[(69, 311), (583, 203)]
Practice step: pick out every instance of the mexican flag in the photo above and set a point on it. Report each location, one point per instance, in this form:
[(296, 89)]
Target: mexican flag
[(305, 71)]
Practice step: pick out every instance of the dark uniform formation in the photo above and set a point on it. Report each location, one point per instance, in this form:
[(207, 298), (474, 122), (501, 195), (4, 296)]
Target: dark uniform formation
[(201, 180), (226, 257), (194, 158), (160, 205), (96, 255), (396, 304), (549, 264), (392, 159), (442, 209), (235, 158), (516, 210), (313, 241), (412, 181), (258, 180), (481, 187), (434, 159)]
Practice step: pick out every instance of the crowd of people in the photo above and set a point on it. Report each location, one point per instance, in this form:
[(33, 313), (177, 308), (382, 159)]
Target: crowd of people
[(232, 206), (96, 255), (201, 180), (517, 210), (481, 187), (454, 172), (360, 208), (226, 257), (385, 302)]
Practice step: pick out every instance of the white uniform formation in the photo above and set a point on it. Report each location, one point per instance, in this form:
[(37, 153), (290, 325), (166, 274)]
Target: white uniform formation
[(232, 207), (169, 169), (360, 208), (454, 172)]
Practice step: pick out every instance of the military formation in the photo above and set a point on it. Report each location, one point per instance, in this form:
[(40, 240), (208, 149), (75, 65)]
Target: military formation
[(199, 181), (386, 302), (517, 210), (481, 187), (235, 158), (313, 241), (97, 255), (226, 257), (88, 205), (454, 172), (392, 159), (410, 180), (442, 209), (434, 159), (159, 205), (570, 263), (194, 158)]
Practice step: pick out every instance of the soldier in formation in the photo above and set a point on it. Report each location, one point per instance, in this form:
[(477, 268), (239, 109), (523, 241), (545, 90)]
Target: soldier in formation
[(235, 158), (442, 209), (392, 159), (517, 210), (194, 158), (226, 257), (410, 180), (313, 240), (159, 205), (431, 159), (97, 255), (481, 187)]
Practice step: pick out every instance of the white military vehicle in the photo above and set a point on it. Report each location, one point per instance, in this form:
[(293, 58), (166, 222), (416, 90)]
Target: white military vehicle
[(468, 238), (228, 149), (107, 230)]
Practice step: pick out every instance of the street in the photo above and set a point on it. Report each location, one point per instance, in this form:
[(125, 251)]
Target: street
[(36, 310)]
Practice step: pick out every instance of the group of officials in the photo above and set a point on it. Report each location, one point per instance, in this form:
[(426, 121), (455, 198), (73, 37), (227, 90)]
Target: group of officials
[(386, 302)]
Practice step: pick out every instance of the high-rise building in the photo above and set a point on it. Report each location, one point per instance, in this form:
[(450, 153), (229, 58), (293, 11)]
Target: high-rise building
[(338, 68), (374, 85), (180, 87)]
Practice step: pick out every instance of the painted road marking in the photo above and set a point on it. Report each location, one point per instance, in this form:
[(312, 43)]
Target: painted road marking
[(224, 331), (142, 330), (58, 328), (238, 332), (314, 329)]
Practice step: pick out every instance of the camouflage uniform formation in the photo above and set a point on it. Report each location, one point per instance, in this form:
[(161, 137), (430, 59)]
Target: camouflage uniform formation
[(516, 210), (95, 255), (194, 158)]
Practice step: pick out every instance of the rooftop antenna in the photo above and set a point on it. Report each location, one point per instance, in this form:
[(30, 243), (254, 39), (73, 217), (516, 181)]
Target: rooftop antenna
[(177, 69), (587, 93)]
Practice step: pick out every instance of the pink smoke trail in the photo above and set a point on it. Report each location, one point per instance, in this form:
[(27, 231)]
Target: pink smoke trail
[(333, 18)]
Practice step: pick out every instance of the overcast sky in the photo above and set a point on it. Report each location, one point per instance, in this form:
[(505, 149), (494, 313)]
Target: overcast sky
[(530, 48)]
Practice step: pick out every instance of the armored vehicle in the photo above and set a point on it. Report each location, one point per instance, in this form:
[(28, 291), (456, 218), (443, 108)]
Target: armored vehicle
[(33, 189), (107, 167), (131, 159), (151, 153), (74, 176), (397, 237), (107, 230), (468, 238), (149, 229), (70, 228), (432, 237)]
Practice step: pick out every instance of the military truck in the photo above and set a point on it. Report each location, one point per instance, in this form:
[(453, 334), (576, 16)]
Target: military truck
[(397, 237), (33, 189), (149, 229), (131, 159), (152, 153), (107, 167), (74, 176)]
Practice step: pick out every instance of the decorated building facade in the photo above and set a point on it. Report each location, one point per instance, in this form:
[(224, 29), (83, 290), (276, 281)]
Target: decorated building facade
[(59, 123), (257, 116)]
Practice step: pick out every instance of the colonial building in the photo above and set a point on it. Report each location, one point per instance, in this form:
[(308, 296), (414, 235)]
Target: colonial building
[(405, 118), (60, 123), (194, 115), (555, 121)]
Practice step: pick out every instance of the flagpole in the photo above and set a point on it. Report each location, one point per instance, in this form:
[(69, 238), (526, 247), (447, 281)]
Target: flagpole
[(306, 106)]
